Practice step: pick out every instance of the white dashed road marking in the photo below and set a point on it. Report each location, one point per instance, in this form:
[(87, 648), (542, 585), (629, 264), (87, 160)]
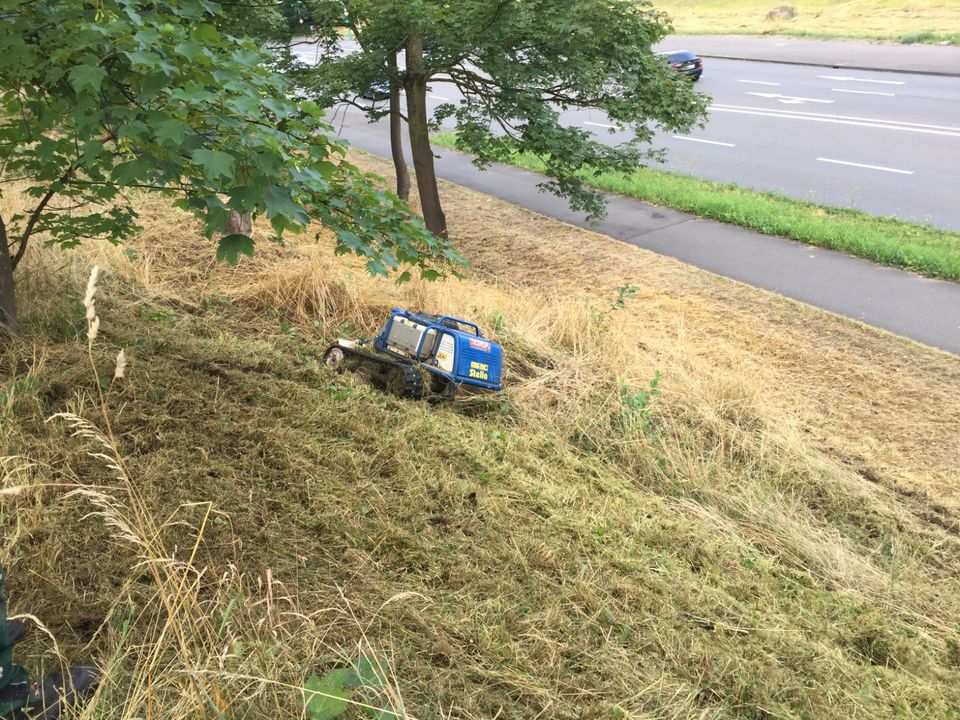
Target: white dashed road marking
[(701, 140), (868, 167), (843, 78), (759, 82), (789, 99), (863, 92), (609, 127)]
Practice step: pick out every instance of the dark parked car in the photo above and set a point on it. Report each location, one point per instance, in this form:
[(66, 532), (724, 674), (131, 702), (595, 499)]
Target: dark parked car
[(379, 89), (685, 62)]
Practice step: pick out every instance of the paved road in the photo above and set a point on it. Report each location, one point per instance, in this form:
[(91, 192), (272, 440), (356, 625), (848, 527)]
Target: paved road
[(885, 143), (925, 310), (916, 58)]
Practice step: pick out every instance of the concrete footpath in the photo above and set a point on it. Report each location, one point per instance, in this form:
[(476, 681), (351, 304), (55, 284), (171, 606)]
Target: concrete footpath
[(925, 310)]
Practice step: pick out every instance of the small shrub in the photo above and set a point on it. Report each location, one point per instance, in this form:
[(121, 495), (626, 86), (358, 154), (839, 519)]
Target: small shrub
[(363, 686), (624, 293), (635, 409)]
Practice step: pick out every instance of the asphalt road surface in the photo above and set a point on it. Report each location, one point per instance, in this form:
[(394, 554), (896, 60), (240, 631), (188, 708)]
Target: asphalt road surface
[(886, 143), (925, 310)]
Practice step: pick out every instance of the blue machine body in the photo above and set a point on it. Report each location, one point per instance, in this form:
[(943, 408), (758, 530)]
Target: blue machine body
[(445, 346)]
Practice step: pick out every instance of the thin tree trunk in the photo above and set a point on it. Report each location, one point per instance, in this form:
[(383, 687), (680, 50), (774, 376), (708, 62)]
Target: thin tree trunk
[(416, 89), (396, 134), (239, 224), (8, 291)]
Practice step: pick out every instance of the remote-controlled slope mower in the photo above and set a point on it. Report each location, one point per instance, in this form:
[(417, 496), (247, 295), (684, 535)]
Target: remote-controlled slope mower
[(444, 351)]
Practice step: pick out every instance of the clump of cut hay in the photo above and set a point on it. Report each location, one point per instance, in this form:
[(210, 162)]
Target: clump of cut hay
[(775, 535)]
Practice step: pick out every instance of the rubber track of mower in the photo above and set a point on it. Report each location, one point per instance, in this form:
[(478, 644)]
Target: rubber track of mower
[(377, 358), (369, 356)]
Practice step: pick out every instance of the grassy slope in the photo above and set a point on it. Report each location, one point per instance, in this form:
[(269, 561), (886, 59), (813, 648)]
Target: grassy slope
[(918, 21), (784, 543)]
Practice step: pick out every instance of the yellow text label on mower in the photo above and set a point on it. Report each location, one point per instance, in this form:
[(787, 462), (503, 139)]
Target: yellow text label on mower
[(479, 370)]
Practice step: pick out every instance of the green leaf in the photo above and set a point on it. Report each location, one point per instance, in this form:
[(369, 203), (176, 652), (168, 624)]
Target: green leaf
[(326, 698), (369, 673), (143, 57), (132, 14), (326, 169), (231, 246), (216, 165), (244, 198), (311, 108), (133, 171), (279, 202), (87, 76), (193, 51), (132, 130), (171, 132), (205, 33), (350, 241), (376, 267), (380, 714), (152, 83)]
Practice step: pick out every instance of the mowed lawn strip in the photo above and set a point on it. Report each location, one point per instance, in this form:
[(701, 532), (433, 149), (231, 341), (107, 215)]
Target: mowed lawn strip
[(922, 248)]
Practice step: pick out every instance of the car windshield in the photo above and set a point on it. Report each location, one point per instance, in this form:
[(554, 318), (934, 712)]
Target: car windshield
[(681, 56)]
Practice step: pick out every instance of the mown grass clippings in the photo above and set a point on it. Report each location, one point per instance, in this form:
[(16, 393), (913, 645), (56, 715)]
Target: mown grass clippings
[(251, 520)]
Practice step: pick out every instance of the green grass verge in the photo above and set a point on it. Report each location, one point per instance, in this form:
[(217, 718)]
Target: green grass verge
[(922, 248)]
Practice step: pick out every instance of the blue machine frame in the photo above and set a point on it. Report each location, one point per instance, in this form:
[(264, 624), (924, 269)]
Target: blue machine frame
[(477, 360)]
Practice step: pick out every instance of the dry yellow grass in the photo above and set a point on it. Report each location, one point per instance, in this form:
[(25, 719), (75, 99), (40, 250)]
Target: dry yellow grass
[(783, 542), (883, 405), (880, 19)]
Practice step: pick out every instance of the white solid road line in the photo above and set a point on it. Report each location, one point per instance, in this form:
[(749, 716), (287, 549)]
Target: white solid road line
[(759, 82), (700, 140), (843, 78), (840, 120), (868, 167), (863, 92), (439, 97), (609, 127)]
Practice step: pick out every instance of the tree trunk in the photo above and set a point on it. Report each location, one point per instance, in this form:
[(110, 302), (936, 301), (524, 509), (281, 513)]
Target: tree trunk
[(239, 224), (8, 291), (396, 134), (416, 89)]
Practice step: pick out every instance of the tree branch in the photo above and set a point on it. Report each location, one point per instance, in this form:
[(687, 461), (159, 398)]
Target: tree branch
[(34, 217)]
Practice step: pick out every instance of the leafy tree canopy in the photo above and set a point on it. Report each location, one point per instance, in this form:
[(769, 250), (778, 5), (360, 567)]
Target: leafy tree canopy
[(264, 21), (519, 64), (100, 98)]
